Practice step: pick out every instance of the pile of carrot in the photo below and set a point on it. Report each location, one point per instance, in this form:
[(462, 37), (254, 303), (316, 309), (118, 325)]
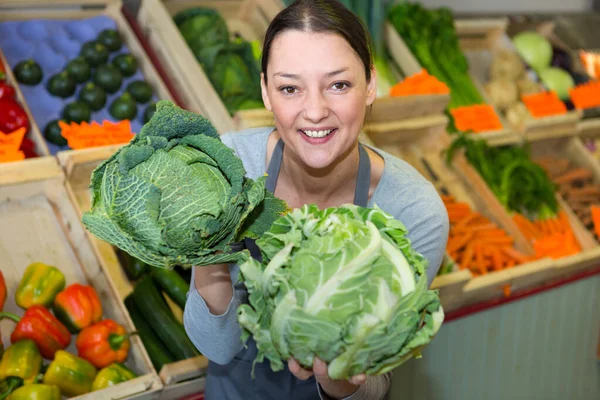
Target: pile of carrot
[(85, 135), (10, 143), (586, 95), (419, 83), (544, 104), (478, 244), (477, 118), (552, 237)]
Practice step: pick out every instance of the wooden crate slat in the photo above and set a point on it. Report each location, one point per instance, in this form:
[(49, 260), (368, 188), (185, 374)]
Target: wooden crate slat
[(45, 227)]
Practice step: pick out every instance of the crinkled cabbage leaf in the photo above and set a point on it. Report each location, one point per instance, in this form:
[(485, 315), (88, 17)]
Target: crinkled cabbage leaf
[(343, 284), (176, 195)]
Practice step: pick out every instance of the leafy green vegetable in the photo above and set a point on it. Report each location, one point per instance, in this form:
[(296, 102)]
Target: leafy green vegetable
[(519, 184), (342, 284), (231, 65), (432, 39), (202, 27), (235, 75), (176, 195)]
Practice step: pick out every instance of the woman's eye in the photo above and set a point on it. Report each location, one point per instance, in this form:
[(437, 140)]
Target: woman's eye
[(340, 85), (288, 89)]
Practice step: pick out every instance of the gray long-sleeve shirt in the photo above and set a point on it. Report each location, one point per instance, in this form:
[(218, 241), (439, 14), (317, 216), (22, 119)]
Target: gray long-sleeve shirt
[(401, 192)]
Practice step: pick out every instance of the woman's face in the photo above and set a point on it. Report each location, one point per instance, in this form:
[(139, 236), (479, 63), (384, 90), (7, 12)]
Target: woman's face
[(318, 93)]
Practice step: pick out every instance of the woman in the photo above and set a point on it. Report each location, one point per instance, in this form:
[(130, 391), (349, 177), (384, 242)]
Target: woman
[(317, 79)]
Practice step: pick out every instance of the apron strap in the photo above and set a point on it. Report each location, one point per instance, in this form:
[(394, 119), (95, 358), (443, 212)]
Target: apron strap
[(363, 180)]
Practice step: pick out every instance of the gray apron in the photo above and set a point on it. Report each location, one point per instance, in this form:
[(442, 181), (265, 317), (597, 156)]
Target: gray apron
[(233, 381)]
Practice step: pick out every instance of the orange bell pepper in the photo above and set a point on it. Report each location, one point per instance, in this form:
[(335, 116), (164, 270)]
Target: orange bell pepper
[(103, 343)]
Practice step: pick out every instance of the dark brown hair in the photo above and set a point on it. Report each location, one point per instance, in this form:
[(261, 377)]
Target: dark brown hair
[(320, 16)]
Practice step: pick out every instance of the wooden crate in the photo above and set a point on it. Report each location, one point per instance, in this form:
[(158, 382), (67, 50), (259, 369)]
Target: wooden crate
[(573, 149), (180, 378), (81, 9), (479, 40), (41, 224), (249, 18), (530, 274), (461, 288), (410, 65), (34, 131)]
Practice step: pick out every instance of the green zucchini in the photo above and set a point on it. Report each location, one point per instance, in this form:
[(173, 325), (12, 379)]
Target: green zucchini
[(134, 268), (159, 354), (160, 318), (172, 284)]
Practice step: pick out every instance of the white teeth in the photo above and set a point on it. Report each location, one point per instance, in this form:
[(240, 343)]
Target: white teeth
[(318, 134)]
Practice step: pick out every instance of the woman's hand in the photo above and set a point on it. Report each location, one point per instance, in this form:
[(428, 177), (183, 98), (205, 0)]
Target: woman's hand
[(333, 388)]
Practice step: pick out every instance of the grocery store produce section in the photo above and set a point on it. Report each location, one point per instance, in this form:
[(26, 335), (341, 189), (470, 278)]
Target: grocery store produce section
[(501, 115)]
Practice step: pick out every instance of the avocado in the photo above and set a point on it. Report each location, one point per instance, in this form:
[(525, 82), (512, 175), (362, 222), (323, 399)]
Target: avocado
[(53, 133), (79, 69), (95, 53), (123, 107), (93, 95), (125, 63), (111, 39), (77, 111), (140, 90), (150, 110), (61, 85), (28, 72), (108, 78)]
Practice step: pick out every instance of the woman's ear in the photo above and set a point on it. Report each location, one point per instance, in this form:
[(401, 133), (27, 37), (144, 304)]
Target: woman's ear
[(264, 93), (372, 87)]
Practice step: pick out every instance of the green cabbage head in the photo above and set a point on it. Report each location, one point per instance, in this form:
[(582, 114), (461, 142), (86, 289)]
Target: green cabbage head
[(343, 284), (176, 195)]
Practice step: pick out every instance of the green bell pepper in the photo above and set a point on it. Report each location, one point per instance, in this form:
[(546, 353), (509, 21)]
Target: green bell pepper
[(73, 375), (39, 286), (36, 391), (113, 374), (22, 360)]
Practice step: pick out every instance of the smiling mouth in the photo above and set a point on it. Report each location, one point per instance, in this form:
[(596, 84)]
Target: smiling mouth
[(318, 134)]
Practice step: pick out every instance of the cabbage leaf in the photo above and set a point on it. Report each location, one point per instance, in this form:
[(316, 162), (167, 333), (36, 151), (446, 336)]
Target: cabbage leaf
[(343, 284)]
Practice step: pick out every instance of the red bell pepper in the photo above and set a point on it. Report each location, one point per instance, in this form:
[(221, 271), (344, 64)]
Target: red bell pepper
[(7, 91), (2, 291), (28, 147), (103, 343), (43, 328), (2, 72), (12, 116), (77, 307)]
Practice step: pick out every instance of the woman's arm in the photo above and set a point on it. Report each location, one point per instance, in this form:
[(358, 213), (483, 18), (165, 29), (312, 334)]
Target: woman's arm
[(374, 388), (210, 315)]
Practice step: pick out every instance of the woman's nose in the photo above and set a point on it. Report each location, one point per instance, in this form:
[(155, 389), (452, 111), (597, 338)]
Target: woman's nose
[(316, 107)]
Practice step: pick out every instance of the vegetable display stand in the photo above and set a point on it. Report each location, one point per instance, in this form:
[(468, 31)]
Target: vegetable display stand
[(55, 35), (495, 63), (179, 378), (41, 224), (535, 272), (247, 19), (33, 133)]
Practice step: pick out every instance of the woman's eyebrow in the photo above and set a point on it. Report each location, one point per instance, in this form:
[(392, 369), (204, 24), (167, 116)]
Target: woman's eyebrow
[(296, 76), (336, 72), (284, 75)]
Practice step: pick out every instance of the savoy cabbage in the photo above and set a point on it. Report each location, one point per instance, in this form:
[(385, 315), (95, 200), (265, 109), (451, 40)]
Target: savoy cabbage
[(343, 284), (177, 195)]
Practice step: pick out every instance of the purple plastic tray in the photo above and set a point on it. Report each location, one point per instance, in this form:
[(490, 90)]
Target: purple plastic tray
[(52, 44)]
